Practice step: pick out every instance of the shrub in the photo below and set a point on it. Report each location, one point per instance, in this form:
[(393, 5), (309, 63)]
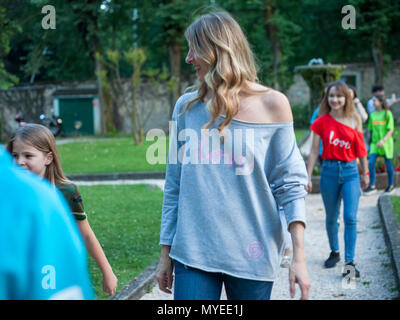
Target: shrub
[(301, 115)]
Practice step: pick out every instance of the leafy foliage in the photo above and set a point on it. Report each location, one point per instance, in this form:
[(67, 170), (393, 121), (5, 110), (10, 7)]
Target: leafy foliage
[(305, 29)]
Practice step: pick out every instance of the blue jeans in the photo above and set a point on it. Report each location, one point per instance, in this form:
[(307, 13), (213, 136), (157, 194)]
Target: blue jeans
[(340, 180), (389, 169), (196, 284)]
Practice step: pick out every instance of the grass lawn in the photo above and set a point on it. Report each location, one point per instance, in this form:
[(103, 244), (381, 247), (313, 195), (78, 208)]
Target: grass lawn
[(126, 221), (115, 155), (300, 133), (396, 206), (107, 156)]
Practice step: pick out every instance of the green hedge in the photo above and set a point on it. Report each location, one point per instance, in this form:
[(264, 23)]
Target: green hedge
[(301, 115)]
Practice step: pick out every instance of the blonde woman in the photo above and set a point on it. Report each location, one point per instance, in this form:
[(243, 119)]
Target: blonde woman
[(220, 215)]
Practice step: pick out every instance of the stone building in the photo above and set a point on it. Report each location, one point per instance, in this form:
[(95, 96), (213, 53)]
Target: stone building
[(78, 101), (360, 75)]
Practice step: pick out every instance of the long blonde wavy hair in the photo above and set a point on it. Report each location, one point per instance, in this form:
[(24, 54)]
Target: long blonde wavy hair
[(217, 39)]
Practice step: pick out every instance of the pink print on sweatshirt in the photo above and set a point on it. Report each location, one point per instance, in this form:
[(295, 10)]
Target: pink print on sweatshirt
[(228, 158)]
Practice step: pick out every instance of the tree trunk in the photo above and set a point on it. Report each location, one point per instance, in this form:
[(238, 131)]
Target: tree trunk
[(377, 55), (106, 108), (274, 41), (134, 116), (174, 52), (101, 96)]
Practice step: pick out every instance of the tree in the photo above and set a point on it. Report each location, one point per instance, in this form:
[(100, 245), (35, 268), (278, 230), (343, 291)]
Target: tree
[(282, 35), (8, 29), (273, 33), (137, 58), (374, 28), (167, 21), (87, 19)]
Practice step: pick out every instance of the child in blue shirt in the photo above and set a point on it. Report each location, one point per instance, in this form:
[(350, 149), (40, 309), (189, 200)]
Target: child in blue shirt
[(42, 255)]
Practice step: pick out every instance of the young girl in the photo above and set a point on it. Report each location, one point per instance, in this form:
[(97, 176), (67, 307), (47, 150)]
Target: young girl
[(381, 124), (33, 147), (339, 127)]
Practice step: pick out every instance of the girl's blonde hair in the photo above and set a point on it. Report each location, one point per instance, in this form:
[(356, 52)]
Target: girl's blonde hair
[(217, 39), (42, 139), (349, 109)]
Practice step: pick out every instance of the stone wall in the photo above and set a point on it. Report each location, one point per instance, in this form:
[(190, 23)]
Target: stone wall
[(154, 100), (299, 92), (154, 103), (31, 101)]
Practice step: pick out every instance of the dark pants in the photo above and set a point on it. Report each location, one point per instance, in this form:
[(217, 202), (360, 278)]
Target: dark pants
[(196, 284)]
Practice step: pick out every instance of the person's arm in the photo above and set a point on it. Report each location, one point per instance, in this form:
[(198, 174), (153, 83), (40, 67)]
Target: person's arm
[(363, 113), (390, 128), (364, 159), (96, 251), (164, 271), (169, 212), (288, 178), (384, 139), (298, 271), (312, 159), (393, 101), (364, 172)]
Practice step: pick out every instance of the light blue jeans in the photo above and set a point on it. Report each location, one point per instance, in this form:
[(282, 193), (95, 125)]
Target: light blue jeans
[(196, 284), (340, 180)]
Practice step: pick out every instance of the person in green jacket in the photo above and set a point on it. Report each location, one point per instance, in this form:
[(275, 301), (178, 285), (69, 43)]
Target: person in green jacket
[(381, 125)]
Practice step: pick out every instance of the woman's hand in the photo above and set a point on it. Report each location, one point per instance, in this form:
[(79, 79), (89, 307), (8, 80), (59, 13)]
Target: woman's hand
[(110, 282), (164, 274), (364, 181), (380, 143), (309, 186), (298, 274)]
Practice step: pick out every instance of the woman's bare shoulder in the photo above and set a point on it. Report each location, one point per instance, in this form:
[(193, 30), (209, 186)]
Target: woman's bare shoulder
[(277, 105)]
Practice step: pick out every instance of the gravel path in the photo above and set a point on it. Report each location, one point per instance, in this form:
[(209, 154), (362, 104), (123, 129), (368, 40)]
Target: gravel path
[(372, 257), (154, 182)]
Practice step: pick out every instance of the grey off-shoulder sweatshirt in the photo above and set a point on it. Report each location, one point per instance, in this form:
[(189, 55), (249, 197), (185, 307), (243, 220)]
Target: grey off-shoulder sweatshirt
[(221, 202)]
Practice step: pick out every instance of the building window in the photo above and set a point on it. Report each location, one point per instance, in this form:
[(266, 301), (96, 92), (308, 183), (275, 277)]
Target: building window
[(350, 80)]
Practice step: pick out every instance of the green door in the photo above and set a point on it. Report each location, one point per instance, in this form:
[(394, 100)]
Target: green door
[(75, 110)]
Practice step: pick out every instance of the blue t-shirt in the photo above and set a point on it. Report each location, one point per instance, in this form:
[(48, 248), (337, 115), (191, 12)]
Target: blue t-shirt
[(221, 202), (42, 255), (313, 117)]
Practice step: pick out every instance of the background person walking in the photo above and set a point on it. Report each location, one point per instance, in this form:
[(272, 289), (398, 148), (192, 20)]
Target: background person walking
[(340, 129), (381, 125), (378, 89)]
